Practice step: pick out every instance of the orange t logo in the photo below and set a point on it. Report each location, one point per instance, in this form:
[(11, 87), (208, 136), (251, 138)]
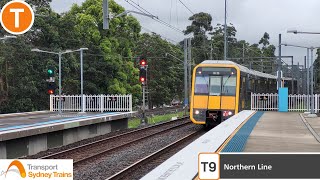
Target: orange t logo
[(17, 17)]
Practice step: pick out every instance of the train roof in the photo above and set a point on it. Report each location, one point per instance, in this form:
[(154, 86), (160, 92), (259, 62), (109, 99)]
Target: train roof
[(243, 69)]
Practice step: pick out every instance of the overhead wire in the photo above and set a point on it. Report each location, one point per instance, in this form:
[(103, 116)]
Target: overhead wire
[(186, 7), (177, 13), (166, 38), (170, 11), (143, 10)]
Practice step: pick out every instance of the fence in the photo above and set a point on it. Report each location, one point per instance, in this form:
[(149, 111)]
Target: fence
[(296, 102), (264, 102), (92, 103)]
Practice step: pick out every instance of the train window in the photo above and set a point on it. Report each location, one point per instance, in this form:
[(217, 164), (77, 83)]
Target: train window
[(210, 81), (229, 85), (201, 84), (215, 85)]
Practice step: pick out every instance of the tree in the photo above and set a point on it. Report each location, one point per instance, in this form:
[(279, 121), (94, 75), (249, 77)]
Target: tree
[(217, 41), (165, 74), (108, 67), (200, 26)]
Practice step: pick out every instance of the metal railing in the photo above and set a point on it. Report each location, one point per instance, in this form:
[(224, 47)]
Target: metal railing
[(92, 103), (264, 102), (296, 102)]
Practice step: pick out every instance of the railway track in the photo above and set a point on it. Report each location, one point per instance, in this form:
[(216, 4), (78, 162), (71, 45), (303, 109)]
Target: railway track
[(158, 156), (160, 111), (84, 153)]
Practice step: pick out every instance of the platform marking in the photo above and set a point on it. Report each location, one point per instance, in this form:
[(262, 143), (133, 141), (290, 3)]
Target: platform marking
[(239, 140), (234, 133), (54, 121), (196, 177), (313, 132)]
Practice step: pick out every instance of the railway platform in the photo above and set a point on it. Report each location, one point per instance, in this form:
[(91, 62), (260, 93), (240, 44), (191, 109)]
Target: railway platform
[(248, 131), (24, 134), (284, 132)]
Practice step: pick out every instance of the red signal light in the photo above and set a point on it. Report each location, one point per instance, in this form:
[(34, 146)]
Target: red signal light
[(50, 91), (143, 75), (142, 79), (143, 62)]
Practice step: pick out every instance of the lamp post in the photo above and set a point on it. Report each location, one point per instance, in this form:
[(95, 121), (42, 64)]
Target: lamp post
[(60, 74), (81, 74), (225, 30), (8, 37), (311, 49), (312, 113), (301, 32)]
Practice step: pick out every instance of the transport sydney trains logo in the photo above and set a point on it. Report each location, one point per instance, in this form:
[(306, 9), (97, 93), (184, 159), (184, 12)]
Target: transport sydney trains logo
[(17, 17), (36, 169), (15, 167)]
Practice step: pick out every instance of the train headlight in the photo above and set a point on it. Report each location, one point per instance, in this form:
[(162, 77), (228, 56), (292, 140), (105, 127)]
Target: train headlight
[(227, 113), (197, 112)]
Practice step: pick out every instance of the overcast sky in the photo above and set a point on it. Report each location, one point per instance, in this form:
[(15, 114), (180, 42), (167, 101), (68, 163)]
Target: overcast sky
[(250, 17)]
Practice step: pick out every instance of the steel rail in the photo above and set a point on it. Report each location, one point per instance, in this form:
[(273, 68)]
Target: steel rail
[(148, 158), (51, 156)]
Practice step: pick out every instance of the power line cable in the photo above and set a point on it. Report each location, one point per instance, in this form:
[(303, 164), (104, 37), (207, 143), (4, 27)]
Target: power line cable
[(143, 10), (177, 13), (186, 7), (166, 38), (170, 11)]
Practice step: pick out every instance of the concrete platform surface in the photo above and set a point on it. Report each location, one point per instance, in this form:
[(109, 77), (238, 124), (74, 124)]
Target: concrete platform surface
[(282, 132), (314, 123), (28, 134), (9, 121), (16, 127)]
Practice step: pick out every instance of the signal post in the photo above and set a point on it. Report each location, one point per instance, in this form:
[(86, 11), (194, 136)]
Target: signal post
[(143, 80)]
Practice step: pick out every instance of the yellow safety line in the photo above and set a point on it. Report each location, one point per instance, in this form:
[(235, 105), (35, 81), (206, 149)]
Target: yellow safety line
[(230, 137)]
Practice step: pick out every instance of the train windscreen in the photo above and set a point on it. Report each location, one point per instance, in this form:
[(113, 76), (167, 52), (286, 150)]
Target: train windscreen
[(216, 81)]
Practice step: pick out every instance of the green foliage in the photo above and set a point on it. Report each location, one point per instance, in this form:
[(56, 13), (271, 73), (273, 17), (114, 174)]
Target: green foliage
[(106, 71), (204, 47), (109, 66), (165, 74), (134, 123), (200, 26)]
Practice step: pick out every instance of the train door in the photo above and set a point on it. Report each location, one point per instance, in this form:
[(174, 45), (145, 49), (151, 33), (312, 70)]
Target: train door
[(214, 100)]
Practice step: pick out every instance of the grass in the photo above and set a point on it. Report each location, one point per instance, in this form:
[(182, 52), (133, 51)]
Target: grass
[(135, 122)]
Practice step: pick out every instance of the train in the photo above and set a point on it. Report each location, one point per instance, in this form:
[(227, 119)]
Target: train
[(222, 88)]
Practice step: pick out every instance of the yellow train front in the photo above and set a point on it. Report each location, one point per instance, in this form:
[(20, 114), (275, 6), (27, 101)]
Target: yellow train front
[(215, 93), (221, 89)]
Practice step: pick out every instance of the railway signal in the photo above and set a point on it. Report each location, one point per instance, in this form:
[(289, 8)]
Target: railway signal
[(51, 81), (143, 79), (51, 88), (50, 72), (143, 62), (143, 76), (143, 70)]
